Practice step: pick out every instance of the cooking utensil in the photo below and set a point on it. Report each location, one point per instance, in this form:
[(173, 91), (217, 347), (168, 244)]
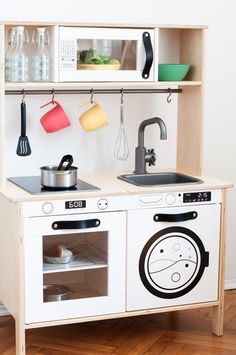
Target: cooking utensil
[(66, 159), (58, 254), (99, 66), (23, 147), (94, 118), (55, 119), (59, 259), (121, 150), (172, 72), (55, 293), (51, 177)]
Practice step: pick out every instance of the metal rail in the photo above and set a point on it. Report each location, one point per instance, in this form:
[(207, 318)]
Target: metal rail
[(92, 91)]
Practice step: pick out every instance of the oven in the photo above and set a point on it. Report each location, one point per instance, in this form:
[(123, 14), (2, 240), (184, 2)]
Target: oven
[(173, 249), (89, 278)]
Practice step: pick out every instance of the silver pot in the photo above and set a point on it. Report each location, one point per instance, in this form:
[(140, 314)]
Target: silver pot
[(53, 176), (52, 293)]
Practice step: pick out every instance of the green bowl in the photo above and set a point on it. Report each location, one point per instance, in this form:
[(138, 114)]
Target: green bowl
[(172, 72)]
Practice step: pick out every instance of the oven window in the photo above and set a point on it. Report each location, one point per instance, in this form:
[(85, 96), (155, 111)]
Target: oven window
[(106, 54), (75, 266)]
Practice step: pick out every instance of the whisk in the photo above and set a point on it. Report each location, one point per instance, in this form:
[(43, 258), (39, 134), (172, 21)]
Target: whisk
[(121, 150)]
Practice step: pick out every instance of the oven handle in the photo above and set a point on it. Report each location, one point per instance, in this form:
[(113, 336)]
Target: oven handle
[(83, 224), (180, 217)]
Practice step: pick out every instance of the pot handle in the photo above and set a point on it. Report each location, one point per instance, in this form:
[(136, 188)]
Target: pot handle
[(83, 224), (179, 217), (66, 159)]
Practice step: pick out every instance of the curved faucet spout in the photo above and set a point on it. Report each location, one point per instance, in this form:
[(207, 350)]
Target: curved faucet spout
[(142, 156), (159, 121)]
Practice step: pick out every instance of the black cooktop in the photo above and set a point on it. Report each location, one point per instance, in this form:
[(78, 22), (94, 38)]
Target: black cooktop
[(32, 185)]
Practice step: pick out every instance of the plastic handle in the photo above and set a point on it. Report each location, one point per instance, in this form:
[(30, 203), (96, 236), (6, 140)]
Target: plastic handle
[(88, 102), (23, 119), (181, 217), (149, 55), (84, 224), (53, 102)]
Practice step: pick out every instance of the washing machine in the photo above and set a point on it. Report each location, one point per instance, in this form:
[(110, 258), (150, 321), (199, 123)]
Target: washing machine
[(173, 249)]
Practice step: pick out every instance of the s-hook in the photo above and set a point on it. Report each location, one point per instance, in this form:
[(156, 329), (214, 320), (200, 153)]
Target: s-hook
[(91, 98), (122, 96), (23, 96), (168, 97), (53, 95)]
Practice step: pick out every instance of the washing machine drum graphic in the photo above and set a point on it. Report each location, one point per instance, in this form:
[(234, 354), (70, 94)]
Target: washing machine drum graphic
[(172, 262)]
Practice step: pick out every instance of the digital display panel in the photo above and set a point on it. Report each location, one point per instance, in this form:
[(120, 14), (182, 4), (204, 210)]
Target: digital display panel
[(75, 204), (202, 196)]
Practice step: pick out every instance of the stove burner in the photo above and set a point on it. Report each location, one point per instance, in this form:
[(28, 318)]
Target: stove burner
[(32, 184), (48, 188)]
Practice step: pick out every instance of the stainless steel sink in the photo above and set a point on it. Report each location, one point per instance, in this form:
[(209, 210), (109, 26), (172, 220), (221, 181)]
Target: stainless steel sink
[(163, 178)]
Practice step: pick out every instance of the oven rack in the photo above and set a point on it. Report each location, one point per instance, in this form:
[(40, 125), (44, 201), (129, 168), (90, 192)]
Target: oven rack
[(91, 257)]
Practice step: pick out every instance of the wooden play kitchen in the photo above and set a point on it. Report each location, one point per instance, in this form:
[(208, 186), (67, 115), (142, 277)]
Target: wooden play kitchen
[(108, 248)]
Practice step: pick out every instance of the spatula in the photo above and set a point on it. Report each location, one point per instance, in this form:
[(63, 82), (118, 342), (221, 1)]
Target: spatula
[(23, 147)]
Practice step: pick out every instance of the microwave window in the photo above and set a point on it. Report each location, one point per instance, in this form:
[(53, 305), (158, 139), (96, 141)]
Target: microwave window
[(106, 54)]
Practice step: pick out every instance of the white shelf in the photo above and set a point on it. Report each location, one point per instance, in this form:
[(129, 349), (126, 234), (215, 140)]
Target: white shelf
[(89, 258), (86, 85)]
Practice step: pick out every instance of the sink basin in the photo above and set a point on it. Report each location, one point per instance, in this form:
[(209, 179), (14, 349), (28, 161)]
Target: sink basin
[(163, 178)]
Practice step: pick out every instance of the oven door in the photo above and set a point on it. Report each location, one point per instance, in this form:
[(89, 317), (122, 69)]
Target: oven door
[(91, 283), (105, 54)]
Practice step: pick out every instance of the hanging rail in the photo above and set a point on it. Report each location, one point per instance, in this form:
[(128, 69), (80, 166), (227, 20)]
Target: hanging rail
[(95, 91)]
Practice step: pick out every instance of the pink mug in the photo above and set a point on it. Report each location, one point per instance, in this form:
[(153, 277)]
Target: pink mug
[(55, 119)]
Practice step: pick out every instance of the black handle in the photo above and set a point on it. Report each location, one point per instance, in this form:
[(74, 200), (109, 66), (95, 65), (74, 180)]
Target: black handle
[(206, 259), (149, 54), (150, 157), (180, 217), (87, 223), (66, 159), (23, 119)]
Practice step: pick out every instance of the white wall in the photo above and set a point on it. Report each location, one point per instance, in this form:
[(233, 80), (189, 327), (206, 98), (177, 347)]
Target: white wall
[(220, 123)]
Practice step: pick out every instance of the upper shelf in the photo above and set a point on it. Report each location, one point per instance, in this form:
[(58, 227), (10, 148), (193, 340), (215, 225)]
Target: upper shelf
[(103, 25), (73, 47)]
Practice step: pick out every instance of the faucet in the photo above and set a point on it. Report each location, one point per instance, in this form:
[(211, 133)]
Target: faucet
[(142, 155)]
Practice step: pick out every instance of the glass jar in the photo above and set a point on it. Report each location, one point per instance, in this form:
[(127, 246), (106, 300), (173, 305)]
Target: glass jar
[(40, 58), (19, 71), (8, 53)]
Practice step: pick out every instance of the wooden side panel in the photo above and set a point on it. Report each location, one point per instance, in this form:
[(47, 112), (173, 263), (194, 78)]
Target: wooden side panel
[(2, 105), (218, 311), (10, 263), (192, 52), (11, 267), (190, 131)]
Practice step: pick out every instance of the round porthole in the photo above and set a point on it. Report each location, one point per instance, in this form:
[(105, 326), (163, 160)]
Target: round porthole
[(172, 262)]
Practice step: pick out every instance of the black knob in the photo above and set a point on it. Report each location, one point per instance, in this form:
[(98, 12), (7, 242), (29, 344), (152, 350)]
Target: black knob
[(152, 157)]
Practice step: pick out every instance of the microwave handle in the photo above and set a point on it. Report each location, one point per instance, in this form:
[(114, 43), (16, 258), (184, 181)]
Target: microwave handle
[(149, 54), (83, 224)]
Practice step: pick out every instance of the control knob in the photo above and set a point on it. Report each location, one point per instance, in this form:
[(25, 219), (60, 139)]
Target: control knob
[(170, 199), (102, 204), (47, 207)]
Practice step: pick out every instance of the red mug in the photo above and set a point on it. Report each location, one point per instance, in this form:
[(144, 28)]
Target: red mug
[(55, 119)]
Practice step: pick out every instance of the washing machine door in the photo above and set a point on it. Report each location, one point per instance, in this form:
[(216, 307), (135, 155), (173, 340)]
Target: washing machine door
[(172, 262)]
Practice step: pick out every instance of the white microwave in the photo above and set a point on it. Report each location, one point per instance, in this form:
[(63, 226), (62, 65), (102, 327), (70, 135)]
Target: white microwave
[(105, 54)]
